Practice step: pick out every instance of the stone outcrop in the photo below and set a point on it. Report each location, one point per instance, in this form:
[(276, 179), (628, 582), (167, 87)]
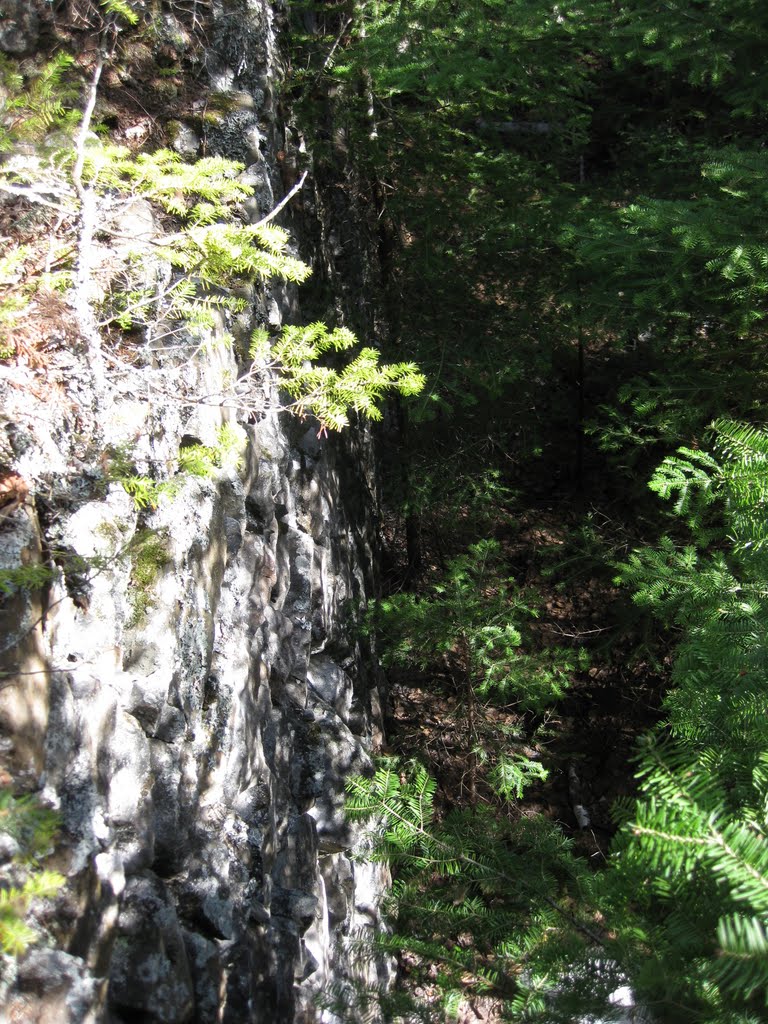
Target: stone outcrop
[(189, 689), (198, 756)]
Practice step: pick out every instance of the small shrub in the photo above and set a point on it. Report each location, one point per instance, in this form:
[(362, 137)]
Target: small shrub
[(33, 828)]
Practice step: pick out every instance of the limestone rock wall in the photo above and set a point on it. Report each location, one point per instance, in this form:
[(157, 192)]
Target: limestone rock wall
[(189, 690)]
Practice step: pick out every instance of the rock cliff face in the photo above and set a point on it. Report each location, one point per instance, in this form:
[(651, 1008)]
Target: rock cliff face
[(198, 757), (189, 689)]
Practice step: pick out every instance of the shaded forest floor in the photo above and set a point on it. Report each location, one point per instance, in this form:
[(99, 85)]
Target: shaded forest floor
[(587, 739)]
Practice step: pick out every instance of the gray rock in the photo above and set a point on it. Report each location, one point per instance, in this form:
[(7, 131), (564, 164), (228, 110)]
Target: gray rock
[(298, 906), (186, 141), (252, 800), (9, 848), (198, 757), (61, 983), (331, 684), (339, 877), (234, 535), (135, 221), (335, 754), (207, 975), (19, 27), (149, 971), (237, 135)]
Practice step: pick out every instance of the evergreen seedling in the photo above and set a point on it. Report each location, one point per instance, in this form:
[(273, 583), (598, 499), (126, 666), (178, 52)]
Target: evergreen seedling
[(24, 880)]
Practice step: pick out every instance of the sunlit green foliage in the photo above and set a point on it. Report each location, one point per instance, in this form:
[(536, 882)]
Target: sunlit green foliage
[(145, 490), (23, 880), (204, 460), (327, 393), (121, 9), (213, 251), (198, 193), (217, 254), (484, 901), (33, 104), (475, 621), (196, 460)]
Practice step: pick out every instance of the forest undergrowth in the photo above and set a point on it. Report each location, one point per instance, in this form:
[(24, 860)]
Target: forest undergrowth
[(592, 730)]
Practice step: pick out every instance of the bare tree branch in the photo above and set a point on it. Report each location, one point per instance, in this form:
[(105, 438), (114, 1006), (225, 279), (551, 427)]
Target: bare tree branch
[(283, 202)]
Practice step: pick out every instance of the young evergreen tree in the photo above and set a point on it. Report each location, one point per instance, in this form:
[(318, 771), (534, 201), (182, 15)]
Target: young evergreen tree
[(681, 912)]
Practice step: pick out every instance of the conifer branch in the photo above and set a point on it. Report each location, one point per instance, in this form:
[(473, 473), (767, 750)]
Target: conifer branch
[(328, 58), (414, 827)]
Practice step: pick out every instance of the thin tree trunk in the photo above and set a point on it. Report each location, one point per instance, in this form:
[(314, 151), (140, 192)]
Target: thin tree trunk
[(83, 290), (580, 411)]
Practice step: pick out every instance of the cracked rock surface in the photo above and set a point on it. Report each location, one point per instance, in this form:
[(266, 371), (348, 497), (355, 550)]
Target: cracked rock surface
[(189, 689), (197, 752)]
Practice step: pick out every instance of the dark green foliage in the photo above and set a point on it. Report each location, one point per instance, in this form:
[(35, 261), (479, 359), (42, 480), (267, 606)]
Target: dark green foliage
[(681, 912), (694, 856), (575, 202), (632, 218), (352, 1002), (593, 170), (716, 598), (710, 44), (694, 264), (697, 842)]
